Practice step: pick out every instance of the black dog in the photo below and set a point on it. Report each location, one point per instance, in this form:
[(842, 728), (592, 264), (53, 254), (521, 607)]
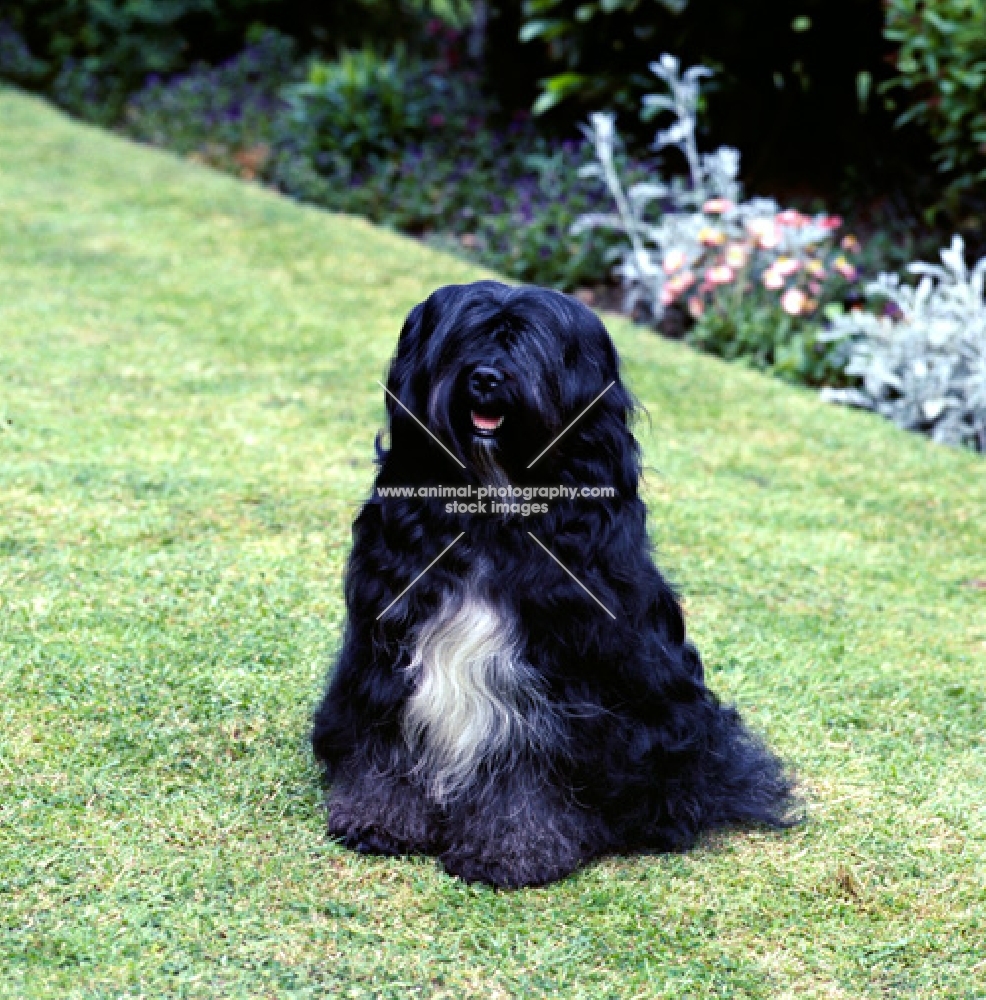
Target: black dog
[(531, 701)]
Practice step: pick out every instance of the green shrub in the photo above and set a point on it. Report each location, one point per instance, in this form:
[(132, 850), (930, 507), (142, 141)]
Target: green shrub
[(941, 62), (16, 61), (104, 47), (91, 54), (759, 331), (225, 115), (363, 104)]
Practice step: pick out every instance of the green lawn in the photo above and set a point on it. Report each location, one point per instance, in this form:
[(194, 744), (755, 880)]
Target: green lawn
[(187, 410)]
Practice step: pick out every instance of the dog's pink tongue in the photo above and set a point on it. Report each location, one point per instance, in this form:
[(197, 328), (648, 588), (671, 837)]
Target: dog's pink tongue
[(486, 423)]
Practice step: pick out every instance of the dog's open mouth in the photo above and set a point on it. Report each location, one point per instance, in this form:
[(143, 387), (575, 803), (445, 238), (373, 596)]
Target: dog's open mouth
[(485, 425)]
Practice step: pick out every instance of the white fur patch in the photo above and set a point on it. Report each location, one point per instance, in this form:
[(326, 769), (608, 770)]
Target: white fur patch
[(475, 699)]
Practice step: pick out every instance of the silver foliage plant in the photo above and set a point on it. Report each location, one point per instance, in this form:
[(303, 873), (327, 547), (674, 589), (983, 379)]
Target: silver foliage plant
[(671, 220), (923, 361)]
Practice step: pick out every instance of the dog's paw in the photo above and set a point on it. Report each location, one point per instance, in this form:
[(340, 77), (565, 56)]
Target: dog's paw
[(508, 871), (372, 826), (372, 842), (359, 834)]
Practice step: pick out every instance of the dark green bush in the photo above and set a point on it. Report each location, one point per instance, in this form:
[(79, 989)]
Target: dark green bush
[(494, 201), (767, 338), (364, 105), (941, 61), (16, 61), (227, 115), (100, 49), (92, 53)]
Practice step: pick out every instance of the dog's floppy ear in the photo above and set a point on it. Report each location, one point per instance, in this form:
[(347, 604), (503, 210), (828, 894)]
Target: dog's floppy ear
[(412, 346), (405, 358), (407, 376), (399, 374)]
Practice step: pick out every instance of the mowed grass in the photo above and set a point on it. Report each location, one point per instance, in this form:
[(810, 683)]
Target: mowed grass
[(188, 406)]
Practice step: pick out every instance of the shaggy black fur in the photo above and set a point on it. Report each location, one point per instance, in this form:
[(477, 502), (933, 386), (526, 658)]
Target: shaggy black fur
[(635, 753)]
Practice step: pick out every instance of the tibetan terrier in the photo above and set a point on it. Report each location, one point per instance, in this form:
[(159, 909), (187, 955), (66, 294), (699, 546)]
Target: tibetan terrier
[(515, 692)]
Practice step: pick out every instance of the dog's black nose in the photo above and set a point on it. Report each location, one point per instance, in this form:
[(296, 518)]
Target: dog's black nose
[(485, 379)]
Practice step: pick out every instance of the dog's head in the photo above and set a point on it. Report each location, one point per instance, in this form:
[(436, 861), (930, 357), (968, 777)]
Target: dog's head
[(496, 373)]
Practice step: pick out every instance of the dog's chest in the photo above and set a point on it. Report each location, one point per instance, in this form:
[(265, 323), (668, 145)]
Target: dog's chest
[(473, 696)]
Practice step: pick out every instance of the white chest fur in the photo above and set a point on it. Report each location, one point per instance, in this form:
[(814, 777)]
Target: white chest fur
[(476, 702)]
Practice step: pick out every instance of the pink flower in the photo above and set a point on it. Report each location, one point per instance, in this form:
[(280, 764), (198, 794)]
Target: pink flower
[(830, 221), (678, 284), (716, 206), (764, 232), (681, 282), (847, 270), (786, 266), (696, 307), (772, 280), (790, 217), (815, 288), (815, 268), (850, 244), (794, 302), (722, 274), (736, 255), (711, 237), (674, 260)]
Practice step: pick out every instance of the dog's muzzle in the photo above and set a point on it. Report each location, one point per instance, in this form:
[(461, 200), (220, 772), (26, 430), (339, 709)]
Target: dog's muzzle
[(487, 399)]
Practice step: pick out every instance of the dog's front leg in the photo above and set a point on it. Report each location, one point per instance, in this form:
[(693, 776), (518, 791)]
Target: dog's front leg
[(519, 829)]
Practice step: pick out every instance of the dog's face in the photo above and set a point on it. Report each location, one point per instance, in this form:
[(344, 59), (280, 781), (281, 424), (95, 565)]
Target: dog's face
[(497, 372)]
